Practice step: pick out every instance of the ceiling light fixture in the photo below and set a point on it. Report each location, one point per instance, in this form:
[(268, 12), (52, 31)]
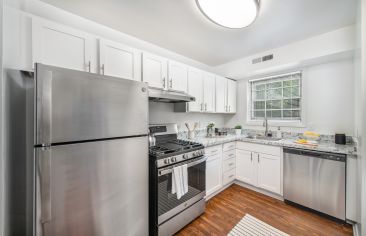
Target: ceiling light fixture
[(233, 14)]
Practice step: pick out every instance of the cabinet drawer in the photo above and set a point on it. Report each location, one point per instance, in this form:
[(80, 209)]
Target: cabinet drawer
[(228, 154), (213, 157), (228, 146), (259, 148), (228, 164), (213, 150), (228, 177)]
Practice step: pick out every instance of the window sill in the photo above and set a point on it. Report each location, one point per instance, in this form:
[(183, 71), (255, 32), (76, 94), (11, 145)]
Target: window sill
[(281, 123)]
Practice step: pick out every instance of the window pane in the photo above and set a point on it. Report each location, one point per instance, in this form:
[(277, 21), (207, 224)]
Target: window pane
[(277, 84), (287, 83), (260, 87), (259, 105), (295, 103), (259, 114), (274, 104), (291, 113), (259, 95), (277, 114), (296, 82), (295, 91), (274, 93), (286, 92), (296, 113), (287, 104), (287, 113)]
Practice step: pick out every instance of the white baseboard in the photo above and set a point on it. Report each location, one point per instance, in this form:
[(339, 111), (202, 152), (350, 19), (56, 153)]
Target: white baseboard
[(259, 190)]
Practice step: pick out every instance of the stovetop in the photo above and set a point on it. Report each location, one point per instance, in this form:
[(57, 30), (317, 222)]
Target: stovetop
[(175, 151), (173, 147)]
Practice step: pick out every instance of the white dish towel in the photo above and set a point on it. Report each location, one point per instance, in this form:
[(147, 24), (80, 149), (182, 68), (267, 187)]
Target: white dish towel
[(180, 180)]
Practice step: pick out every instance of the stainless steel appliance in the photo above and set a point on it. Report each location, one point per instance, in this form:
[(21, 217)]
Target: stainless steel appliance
[(168, 214), (169, 96), (316, 180), (87, 153)]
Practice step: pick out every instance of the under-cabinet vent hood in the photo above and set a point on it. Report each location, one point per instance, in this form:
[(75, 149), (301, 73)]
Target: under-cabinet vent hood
[(158, 95)]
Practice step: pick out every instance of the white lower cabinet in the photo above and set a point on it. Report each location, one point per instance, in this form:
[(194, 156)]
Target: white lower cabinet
[(245, 167), (213, 174), (260, 170)]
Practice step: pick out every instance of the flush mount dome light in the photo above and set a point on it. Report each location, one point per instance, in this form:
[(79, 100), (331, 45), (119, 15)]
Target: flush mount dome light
[(234, 14)]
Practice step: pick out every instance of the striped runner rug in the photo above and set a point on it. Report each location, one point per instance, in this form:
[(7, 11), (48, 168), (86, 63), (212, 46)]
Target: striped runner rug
[(251, 226)]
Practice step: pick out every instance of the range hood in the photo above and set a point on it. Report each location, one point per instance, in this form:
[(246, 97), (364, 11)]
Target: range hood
[(159, 95)]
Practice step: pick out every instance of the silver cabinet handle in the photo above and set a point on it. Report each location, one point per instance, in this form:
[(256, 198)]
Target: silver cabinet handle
[(231, 155), (88, 66), (231, 176), (206, 106), (44, 174), (171, 83), (258, 158), (229, 108), (102, 70), (163, 82), (231, 164), (189, 164), (251, 157)]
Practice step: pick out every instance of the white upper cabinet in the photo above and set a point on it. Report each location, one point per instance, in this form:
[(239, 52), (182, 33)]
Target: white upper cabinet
[(61, 46), (178, 76), (209, 92), (225, 95), (119, 60), (269, 172), (221, 94), (231, 96), (195, 88), (154, 70)]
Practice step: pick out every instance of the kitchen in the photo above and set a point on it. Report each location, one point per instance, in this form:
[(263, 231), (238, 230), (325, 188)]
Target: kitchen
[(156, 118)]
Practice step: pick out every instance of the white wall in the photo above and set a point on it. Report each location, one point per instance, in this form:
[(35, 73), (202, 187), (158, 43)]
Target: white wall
[(324, 47), (363, 97), (164, 113), (329, 99)]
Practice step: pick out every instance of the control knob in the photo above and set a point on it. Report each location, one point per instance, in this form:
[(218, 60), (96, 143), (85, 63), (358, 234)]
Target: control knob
[(166, 161)]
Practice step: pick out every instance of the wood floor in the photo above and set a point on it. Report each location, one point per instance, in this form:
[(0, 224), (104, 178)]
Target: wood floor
[(226, 209)]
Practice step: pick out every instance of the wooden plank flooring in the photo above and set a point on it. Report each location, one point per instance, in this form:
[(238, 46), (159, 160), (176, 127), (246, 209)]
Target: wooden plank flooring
[(226, 209)]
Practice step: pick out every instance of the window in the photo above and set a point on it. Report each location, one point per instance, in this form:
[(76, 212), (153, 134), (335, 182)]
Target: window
[(276, 97)]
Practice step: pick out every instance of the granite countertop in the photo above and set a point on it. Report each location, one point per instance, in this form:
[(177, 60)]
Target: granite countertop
[(325, 146)]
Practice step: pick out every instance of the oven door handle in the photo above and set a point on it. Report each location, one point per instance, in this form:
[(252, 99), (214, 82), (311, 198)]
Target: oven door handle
[(190, 164)]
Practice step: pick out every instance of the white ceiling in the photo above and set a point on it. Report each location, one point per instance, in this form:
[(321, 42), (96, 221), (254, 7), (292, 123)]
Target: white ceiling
[(179, 26)]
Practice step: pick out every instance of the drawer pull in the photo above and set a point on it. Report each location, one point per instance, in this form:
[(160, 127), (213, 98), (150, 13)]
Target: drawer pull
[(213, 151), (231, 164), (231, 176), (231, 155)]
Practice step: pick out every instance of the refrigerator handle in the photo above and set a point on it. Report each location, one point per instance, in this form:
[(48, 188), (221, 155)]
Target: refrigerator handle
[(45, 184), (44, 109)]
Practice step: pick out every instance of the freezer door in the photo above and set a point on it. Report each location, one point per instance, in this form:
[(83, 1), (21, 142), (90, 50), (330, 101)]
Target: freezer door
[(73, 106), (94, 188)]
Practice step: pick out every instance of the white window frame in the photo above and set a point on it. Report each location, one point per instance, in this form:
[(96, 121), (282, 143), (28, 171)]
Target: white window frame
[(281, 123)]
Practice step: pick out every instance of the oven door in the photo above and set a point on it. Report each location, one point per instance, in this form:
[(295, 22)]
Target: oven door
[(168, 204)]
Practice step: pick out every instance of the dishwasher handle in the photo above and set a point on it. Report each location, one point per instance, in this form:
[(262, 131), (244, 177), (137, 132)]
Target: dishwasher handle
[(316, 154)]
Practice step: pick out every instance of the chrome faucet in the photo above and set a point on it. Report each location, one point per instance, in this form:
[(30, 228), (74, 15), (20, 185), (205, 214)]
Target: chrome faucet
[(265, 124)]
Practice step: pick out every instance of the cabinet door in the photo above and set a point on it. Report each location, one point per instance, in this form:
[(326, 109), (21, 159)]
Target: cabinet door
[(246, 167), (154, 70), (195, 88), (209, 92), (61, 46), (213, 176), (178, 76), (221, 92), (269, 172), (231, 96), (118, 60)]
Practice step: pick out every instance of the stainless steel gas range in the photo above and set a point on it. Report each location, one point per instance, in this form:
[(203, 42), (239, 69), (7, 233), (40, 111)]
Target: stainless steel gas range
[(169, 211)]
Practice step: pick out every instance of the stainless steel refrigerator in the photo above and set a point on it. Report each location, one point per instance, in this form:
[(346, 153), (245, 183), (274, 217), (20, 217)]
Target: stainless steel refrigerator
[(86, 151)]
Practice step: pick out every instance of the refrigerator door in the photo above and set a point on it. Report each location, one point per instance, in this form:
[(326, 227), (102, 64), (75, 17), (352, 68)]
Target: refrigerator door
[(78, 106), (93, 188)]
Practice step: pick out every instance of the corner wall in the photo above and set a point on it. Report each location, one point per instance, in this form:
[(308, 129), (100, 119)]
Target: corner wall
[(327, 87)]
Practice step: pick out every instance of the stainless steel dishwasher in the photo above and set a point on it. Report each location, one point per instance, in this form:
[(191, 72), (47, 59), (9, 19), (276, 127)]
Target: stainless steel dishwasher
[(316, 180)]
